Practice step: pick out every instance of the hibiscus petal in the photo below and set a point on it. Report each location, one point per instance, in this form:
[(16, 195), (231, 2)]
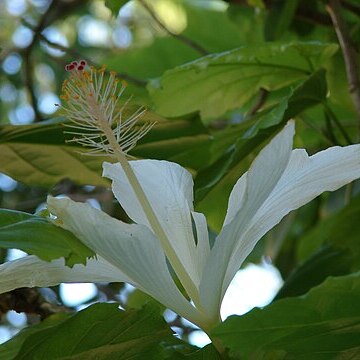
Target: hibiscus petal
[(30, 271), (131, 248), (169, 189), (251, 190), (303, 179), (202, 234)]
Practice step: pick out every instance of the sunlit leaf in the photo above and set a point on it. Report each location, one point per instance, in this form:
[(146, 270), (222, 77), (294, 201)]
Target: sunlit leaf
[(221, 82), (38, 154)]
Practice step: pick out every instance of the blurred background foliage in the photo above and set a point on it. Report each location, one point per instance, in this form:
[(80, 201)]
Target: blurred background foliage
[(201, 68)]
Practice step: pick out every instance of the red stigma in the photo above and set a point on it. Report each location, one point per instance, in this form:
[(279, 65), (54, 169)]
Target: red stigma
[(78, 65)]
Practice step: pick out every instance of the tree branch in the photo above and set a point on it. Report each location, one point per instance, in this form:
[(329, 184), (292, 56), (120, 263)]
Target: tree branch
[(27, 57), (76, 54), (28, 300), (334, 9), (180, 37)]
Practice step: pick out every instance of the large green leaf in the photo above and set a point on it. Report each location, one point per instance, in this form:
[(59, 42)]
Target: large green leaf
[(38, 236), (38, 154), (221, 82), (322, 325), (214, 183), (101, 331)]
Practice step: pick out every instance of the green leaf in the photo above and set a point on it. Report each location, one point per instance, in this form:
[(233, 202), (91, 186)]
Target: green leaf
[(115, 5), (38, 154), (208, 352), (11, 348), (166, 52), (327, 261), (38, 236), (221, 82), (322, 325), (214, 183), (182, 141), (101, 331)]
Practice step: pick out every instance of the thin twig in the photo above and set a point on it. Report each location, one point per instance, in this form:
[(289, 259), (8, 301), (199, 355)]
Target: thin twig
[(27, 57), (132, 79), (323, 133), (263, 94), (350, 57), (180, 37), (333, 117)]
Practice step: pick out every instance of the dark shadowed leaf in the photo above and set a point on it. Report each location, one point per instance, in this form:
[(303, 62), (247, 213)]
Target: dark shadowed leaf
[(12, 348), (340, 230), (327, 261), (279, 18), (101, 331), (208, 352), (322, 325)]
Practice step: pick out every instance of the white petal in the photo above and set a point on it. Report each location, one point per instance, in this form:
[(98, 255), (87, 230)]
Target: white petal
[(255, 185), (169, 189), (303, 179), (30, 271), (203, 244), (251, 190), (132, 248)]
